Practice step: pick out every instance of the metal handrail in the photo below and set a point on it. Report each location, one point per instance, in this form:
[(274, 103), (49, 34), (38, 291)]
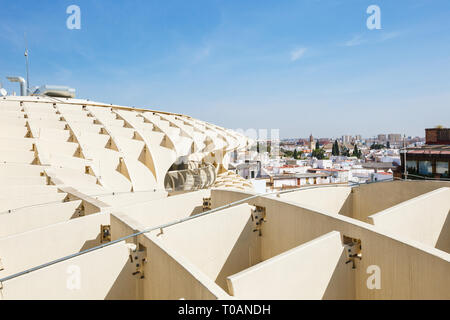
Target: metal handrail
[(428, 178)]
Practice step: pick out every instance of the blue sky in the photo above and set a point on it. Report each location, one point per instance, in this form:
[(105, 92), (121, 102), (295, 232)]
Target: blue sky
[(302, 67)]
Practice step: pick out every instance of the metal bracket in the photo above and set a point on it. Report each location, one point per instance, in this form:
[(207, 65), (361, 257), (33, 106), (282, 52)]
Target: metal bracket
[(80, 210), (139, 258), (105, 233), (206, 204), (353, 249), (259, 216)]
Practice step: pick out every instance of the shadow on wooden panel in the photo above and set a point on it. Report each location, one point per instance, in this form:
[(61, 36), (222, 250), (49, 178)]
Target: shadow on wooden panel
[(347, 207), (197, 210), (443, 242), (342, 282), (245, 253), (91, 243), (125, 285)]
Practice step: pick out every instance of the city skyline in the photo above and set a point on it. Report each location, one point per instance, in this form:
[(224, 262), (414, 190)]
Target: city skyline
[(300, 66)]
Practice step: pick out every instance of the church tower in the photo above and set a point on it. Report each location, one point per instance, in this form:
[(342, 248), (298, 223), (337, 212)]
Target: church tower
[(312, 143)]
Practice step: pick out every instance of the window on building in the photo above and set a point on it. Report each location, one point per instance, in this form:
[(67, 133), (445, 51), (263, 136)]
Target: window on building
[(411, 166), (442, 168), (425, 167)]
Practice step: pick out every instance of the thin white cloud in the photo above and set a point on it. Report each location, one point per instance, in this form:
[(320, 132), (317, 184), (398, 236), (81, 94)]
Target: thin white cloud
[(359, 39), (389, 35), (297, 53), (355, 41)]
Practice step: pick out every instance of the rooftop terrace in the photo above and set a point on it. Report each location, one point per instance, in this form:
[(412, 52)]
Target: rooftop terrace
[(85, 215)]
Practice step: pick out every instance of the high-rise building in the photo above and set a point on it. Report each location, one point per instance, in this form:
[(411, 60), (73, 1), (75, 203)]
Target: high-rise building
[(346, 139), (381, 138), (394, 137)]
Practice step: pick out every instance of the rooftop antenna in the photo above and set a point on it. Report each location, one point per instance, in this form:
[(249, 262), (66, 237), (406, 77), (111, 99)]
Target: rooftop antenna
[(404, 154), (26, 59)]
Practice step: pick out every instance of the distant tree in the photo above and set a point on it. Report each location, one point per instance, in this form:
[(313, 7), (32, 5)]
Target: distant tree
[(318, 153), (335, 149), (287, 153), (263, 147), (356, 152), (376, 146), (345, 152), (321, 155), (295, 154)]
